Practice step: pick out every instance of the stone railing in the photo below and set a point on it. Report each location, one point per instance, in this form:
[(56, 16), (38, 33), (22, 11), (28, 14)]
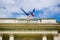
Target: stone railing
[(27, 21)]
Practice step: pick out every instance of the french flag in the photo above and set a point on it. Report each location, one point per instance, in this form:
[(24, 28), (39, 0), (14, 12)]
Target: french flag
[(32, 14)]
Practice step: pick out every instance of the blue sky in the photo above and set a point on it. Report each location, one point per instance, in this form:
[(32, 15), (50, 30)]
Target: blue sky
[(43, 8)]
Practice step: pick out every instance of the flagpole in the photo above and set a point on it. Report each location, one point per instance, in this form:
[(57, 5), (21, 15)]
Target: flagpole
[(27, 19)]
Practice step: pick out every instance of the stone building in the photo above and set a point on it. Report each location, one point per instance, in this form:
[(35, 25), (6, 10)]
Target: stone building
[(29, 29)]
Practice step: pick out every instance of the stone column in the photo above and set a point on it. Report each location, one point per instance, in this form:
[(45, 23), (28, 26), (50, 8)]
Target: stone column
[(58, 36), (0, 37), (11, 37), (55, 37), (44, 37)]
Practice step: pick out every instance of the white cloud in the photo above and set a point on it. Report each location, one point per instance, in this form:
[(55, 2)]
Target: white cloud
[(15, 5), (51, 12), (7, 1)]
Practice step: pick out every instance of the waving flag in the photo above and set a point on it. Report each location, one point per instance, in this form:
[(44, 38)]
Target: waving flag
[(33, 12), (29, 14), (25, 12)]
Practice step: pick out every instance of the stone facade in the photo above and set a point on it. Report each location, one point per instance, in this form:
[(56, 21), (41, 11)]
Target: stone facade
[(29, 29)]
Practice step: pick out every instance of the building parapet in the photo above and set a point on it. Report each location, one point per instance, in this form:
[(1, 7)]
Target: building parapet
[(9, 20)]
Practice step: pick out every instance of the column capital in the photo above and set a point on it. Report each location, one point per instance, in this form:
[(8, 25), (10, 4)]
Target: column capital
[(44, 34), (11, 34), (55, 35)]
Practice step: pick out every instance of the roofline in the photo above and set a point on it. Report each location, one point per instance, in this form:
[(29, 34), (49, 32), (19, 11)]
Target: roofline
[(26, 18)]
